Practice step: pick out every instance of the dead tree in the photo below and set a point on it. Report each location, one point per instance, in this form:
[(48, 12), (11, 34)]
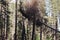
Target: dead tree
[(30, 11)]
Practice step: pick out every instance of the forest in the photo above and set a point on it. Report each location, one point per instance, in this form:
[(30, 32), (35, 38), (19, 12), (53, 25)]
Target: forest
[(29, 19)]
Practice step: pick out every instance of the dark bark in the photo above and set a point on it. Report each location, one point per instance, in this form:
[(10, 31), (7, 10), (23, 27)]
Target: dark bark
[(41, 33), (33, 31), (56, 32), (15, 38), (23, 32)]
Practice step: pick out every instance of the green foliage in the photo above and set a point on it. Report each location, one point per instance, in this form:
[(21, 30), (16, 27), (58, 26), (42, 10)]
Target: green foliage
[(48, 37), (37, 37)]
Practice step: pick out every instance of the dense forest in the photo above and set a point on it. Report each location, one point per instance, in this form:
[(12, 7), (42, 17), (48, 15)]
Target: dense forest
[(29, 20)]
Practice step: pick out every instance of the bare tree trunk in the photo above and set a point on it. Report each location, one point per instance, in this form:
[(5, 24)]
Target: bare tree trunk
[(33, 31), (11, 22)]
